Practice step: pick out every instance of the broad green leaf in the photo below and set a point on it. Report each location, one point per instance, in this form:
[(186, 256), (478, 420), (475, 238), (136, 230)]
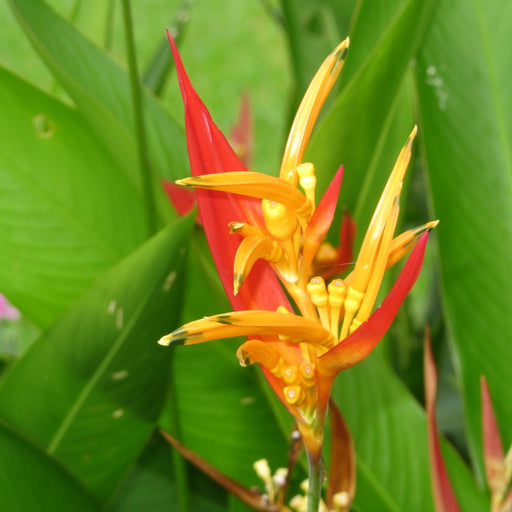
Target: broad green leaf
[(463, 81), (355, 130), (67, 210), (32, 480), (101, 91), (91, 388)]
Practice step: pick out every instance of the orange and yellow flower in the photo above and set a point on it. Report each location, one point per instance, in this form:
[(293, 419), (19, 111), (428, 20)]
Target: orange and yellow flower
[(266, 235)]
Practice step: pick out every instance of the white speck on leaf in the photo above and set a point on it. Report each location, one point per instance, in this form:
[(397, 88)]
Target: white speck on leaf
[(247, 400), (122, 374), (111, 307), (169, 280), (118, 413), (119, 318), (437, 83)]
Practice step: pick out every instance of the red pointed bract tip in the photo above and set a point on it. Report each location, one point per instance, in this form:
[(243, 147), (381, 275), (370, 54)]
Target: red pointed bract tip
[(209, 152)]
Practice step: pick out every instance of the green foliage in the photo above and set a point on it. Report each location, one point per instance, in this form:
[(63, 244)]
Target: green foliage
[(81, 406)]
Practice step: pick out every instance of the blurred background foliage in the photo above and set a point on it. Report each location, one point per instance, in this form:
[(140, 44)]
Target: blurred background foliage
[(84, 388)]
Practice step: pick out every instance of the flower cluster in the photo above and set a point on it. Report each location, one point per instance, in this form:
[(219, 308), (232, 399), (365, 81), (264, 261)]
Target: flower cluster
[(277, 230)]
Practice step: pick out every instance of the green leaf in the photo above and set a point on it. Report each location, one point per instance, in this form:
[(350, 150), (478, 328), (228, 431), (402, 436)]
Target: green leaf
[(91, 388), (67, 210), (463, 81), (101, 91), (32, 480)]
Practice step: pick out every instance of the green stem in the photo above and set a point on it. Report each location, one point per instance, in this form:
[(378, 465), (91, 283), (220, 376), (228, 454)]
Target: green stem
[(315, 474), (140, 132)]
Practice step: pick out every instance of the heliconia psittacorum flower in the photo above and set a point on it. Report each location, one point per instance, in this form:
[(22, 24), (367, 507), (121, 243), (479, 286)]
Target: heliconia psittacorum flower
[(265, 233)]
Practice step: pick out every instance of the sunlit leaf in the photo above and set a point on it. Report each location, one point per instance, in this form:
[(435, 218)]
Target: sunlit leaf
[(101, 90), (67, 210)]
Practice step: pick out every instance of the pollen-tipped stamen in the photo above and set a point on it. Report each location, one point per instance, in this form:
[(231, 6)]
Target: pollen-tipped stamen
[(319, 297), (337, 292), (307, 180)]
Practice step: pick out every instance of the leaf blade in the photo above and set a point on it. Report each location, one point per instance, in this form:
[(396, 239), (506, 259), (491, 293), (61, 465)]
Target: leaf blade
[(94, 402)]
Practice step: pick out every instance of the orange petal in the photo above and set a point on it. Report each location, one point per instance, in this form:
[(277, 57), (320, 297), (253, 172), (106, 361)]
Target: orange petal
[(249, 251), (321, 221)]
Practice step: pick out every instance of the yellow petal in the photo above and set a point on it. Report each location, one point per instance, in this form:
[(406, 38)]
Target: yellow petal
[(254, 184), (365, 261), (257, 351), (310, 106), (406, 241), (295, 328), (248, 323), (249, 251), (371, 260)]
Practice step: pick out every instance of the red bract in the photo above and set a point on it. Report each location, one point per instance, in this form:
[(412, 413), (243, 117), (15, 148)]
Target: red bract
[(209, 152)]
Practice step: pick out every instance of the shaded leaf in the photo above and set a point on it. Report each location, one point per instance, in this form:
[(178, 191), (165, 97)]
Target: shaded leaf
[(32, 480), (91, 388), (247, 495), (390, 437)]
